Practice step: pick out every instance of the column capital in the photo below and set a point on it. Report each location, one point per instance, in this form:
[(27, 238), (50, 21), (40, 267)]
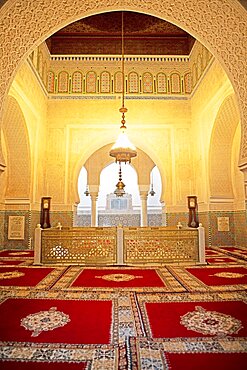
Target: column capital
[(94, 195), (143, 195), (143, 190), (93, 188)]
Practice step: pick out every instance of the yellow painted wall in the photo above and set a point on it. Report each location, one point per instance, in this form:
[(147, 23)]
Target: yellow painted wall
[(31, 101), (174, 133), (77, 128), (66, 132)]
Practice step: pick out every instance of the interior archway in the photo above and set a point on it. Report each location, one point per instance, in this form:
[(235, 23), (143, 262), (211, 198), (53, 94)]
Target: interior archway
[(77, 128), (101, 177), (215, 24)]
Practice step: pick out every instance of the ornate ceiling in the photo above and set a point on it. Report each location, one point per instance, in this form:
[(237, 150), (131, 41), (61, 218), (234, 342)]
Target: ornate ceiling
[(101, 34)]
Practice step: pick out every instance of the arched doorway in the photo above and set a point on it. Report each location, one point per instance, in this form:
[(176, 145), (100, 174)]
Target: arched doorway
[(113, 210)]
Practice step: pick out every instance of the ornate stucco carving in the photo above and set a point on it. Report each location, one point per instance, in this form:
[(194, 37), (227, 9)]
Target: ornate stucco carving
[(176, 71), (221, 149), (219, 24)]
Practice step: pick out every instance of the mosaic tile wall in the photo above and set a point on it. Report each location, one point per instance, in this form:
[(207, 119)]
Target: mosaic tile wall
[(237, 226), (174, 218), (221, 237), (17, 244), (237, 234), (183, 217), (64, 217), (82, 220), (32, 218), (120, 219), (117, 219), (240, 221), (155, 219)]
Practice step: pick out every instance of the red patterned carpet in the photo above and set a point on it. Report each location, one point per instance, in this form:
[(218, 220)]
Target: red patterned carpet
[(168, 317), (220, 275), (120, 278), (25, 276), (187, 319), (56, 321)]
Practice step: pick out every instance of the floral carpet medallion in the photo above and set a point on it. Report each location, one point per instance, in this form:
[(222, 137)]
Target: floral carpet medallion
[(119, 277), (229, 275), (11, 274), (44, 321), (210, 322)]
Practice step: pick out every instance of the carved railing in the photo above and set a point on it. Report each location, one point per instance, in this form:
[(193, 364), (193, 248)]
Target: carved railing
[(119, 246), (160, 244), (92, 245)]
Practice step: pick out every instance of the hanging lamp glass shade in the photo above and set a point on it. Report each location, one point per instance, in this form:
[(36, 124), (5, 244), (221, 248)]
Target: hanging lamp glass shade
[(123, 150), (119, 191)]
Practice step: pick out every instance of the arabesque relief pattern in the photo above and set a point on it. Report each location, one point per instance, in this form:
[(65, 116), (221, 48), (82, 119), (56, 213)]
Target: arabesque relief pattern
[(81, 74), (79, 245), (175, 77), (159, 245), (219, 24)]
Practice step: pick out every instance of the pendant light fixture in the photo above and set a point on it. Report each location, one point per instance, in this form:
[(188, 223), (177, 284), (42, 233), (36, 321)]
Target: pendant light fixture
[(152, 192), (123, 150), (119, 191)]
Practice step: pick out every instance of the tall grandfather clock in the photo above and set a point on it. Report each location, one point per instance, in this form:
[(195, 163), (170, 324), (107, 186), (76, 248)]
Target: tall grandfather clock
[(192, 205), (45, 212)]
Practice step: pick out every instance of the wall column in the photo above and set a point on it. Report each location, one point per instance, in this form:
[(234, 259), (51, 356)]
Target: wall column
[(94, 191), (144, 208), (163, 215), (94, 213)]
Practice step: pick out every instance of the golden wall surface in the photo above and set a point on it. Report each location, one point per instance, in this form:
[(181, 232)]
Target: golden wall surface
[(188, 139), (218, 24), (193, 134)]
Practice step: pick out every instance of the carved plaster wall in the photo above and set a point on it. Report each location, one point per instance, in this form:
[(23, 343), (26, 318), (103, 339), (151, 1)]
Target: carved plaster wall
[(165, 75), (220, 175), (219, 24), (32, 102), (18, 152)]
